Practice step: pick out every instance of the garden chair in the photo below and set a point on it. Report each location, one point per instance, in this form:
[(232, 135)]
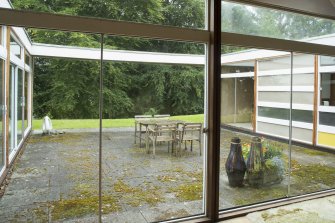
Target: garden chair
[(189, 132), (138, 126), (161, 133)]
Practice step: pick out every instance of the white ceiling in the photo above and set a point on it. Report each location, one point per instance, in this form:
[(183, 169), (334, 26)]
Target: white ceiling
[(319, 7), (333, 2)]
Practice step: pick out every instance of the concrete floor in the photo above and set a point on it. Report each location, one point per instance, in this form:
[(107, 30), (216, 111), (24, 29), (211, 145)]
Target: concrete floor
[(319, 210), (56, 179)]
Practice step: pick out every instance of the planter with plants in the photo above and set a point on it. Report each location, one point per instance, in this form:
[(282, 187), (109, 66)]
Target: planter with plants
[(265, 164)]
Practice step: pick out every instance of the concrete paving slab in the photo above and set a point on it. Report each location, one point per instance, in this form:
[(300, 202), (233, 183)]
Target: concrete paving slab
[(64, 168)]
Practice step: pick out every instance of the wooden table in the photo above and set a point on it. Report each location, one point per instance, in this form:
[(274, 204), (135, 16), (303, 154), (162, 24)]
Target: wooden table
[(152, 122)]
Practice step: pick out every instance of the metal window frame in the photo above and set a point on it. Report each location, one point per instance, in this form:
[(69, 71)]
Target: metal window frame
[(213, 37)]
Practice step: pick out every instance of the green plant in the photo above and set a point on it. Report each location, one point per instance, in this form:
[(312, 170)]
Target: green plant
[(152, 112), (272, 168)]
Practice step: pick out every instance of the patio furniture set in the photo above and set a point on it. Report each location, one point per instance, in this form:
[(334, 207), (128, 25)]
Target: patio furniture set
[(160, 128)]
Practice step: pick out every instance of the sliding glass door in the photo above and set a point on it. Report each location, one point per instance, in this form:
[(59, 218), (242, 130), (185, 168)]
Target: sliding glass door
[(15, 108)]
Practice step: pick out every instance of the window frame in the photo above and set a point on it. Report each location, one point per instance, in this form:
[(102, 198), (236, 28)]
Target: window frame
[(213, 38)]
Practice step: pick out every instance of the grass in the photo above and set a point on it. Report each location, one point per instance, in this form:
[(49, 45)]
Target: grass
[(106, 123)]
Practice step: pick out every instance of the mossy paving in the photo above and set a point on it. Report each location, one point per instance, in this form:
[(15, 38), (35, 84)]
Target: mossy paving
[(314, 177), (82, 206), (70, 139), (188, 192), (135, 179), (139, 195)]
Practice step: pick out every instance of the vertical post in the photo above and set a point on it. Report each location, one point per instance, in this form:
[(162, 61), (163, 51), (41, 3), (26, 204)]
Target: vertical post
[(254, 116), (7, 76), (214, 102), (30, 92), (316, 101), (290, 130), (100, 126), (235, 99), (22, 100), (3, 89)]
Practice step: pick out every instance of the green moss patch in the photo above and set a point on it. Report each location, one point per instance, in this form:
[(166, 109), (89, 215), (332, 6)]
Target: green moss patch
[(312, 175), (248, 195), (167, 178), (75, 208), (136, 196), (311, 152), (188, 192), (66, 139)]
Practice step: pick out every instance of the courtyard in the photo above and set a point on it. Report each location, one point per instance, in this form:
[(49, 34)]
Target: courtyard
[(55, 179)]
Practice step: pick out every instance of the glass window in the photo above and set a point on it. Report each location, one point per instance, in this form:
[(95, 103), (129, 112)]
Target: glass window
[(67, 91), (303, 68), (157, 173), (284, 79), (327, 89), (19, 106), (327, 118), (27, 59), (137, 186), (253, 170), (11, 108), (283, 113), (241, 67), (245, 177), (15, 48), (259, 21), (327, 61), (190, 14), (237, 91), (284, 97), (26, 99)]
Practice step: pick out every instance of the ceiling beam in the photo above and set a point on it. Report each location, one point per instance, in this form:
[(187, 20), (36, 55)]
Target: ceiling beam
[(28, 19)]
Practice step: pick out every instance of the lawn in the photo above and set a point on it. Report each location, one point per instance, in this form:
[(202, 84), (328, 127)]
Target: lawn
[(106, 123)]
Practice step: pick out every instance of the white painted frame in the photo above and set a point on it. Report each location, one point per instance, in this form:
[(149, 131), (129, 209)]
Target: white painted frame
[(326, 69), (12, 123), (283, 122), (300, 70), (305, 107), (283, 137), (286, 88), (327, 129), (241, 74), (4, 121)]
